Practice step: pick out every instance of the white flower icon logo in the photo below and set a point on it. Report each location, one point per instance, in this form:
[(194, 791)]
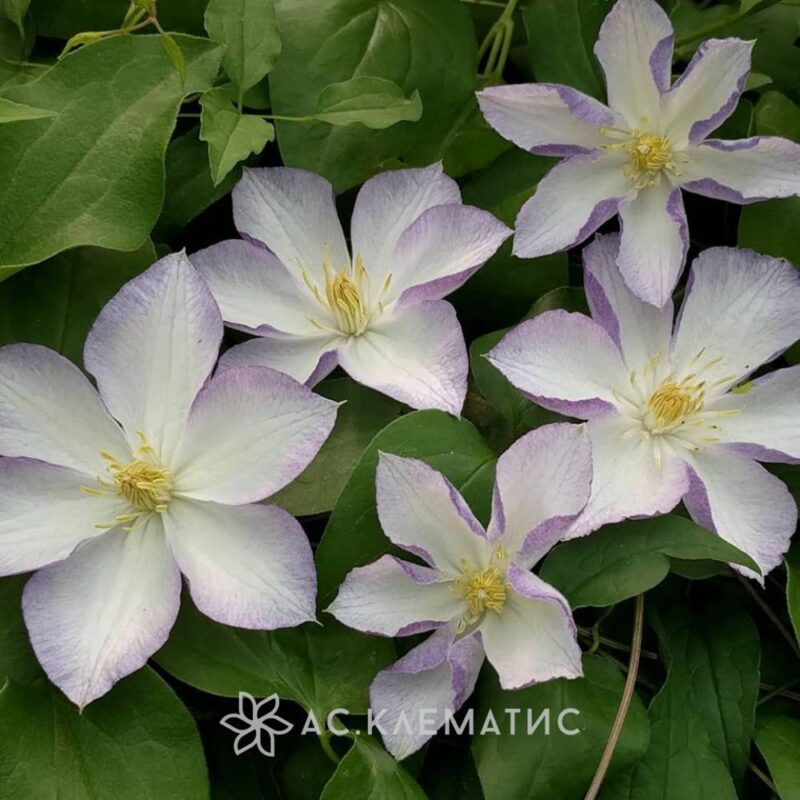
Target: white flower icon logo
[(257, 724)]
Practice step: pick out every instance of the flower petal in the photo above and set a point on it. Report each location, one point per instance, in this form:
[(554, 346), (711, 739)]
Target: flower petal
[(421, 511), (152, 348), (534, 638), (765, 423), (99, 615), (708, 91), (415, 355), (50, 412), (255, 292), (655, 239), (293, 213), (412, 699), (387, 204), (626, 480), (394, 598), (564, 361), (543, 482), (746, 505), (571, 202), (639, 329), (441, 250), (546, 118), (247, 566), (307, 359), (252, 430), (741, 308), (634, 49), (743, 171)]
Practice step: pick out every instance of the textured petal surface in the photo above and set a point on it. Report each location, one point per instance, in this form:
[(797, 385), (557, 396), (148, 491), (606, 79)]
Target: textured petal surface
[(743, 171), (571, 202), (253, 289), (99, 615), (534, 638), (546, 118), (422, 512), (746, 505), (741, 308), (562, 360), (152, 348), (415, 355), (49, 411), (655, 239), (252, 430), (293, 213), (634, 49), (248, 566), (639, 329), (393, 598), (543, 482)]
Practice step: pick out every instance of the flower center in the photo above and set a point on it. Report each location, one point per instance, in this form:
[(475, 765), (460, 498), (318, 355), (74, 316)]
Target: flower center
[(650, 154), (485, 589), (345, 300), (672, 403)]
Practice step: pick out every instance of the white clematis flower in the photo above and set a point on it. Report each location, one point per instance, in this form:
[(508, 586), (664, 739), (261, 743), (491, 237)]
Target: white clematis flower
[(112, 496), (636, 155), (378, 314), (477, 591), (669, 416)]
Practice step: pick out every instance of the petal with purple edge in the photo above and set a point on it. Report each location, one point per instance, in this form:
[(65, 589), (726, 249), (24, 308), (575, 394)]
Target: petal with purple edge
[(563, 361), (634, 49), (441, 250), (292, 212), (100, 614), (412, 699), (746, 505), (571, 202), (391, 597), (254, 290), (49, 411), (421, 511), (743, 171), (152, 348), (247, 566), (252, 430), (708, 91), (639, 329), (416, 355), (740, 310), (533, 639), (543, 482), (654, 242), (545, 118)]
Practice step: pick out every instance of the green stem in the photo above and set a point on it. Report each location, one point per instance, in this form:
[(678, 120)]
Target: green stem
[(498, 42), (764, 777), (770, 614), (723, 23), (325, 743), (484, 3)]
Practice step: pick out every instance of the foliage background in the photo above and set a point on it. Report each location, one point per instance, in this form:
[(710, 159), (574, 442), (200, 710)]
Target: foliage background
[(128, 147)]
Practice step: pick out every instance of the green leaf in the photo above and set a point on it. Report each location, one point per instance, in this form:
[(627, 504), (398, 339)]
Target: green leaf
[(17, 660), (173, 50), (792, 562), (561, 39), (533, 765), (364, 413), (416, 44), (320, 667), (368, 771), (373, 102), (16, 30), (55, 303), (138, 742), (13, 74), (778, 739), (105, 186), (353, 535), (249, 31), (231, 135), (15, 112), (628, 558)]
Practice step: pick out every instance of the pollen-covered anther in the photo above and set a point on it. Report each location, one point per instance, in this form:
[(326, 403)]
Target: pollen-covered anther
[(484, 589), (672, 403), (650, 154)]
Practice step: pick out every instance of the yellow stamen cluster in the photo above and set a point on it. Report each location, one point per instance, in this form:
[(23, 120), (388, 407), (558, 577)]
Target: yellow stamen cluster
[(673, 402), (344, 291), (650, 154), (484, 589)]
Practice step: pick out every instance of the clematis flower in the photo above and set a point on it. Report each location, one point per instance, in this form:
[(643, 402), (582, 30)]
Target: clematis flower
[(477, 592), (672, 415), (378, 314), (636, 155), (112, 496)]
